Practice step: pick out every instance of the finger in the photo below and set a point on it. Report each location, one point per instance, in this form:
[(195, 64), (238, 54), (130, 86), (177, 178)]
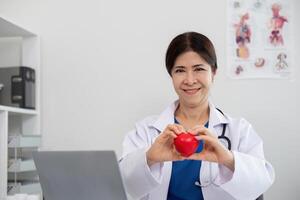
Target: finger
[(180, 127), (180, 157), (177, 155), (206, 138), (196, 156), (211, 141), (168, 134), (198, 130), (174, 128), (203, 131)]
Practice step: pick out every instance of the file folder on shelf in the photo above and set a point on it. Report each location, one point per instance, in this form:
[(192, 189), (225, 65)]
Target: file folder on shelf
[(19, 165), (23, 187), (23, 141)]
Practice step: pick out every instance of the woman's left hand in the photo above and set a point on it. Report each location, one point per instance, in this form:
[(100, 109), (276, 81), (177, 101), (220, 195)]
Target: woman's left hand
[(213, 150)]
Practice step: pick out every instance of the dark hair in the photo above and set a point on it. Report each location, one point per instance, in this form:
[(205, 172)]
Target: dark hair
[(191, 41)]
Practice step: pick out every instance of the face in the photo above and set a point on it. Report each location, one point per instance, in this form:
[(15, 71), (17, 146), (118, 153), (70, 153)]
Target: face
[(192, 78)]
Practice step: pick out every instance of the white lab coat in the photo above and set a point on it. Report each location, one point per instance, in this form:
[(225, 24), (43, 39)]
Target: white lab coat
[(252, 176)]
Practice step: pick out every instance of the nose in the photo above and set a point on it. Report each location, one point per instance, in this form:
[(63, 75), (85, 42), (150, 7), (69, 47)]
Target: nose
[(190, 79)]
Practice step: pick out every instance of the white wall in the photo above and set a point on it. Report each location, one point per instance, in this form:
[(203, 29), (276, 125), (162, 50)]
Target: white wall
[(103, 69)]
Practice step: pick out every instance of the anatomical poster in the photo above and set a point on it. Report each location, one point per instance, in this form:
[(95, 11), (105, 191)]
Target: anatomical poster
[(259, 39)]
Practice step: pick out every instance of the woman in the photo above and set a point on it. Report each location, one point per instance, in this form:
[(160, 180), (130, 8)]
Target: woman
[(229, 167)]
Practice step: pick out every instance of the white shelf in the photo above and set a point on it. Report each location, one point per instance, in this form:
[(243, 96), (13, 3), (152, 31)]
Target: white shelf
[(20, 111), (12, 30), (24, 141), (19, 165), (19, 47), (24, 188)]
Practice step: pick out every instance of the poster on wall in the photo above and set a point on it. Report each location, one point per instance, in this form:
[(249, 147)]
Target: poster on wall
[(259, 39)]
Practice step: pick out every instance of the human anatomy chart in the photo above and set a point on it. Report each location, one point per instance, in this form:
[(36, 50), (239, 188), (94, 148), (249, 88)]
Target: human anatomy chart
[(259, 39)]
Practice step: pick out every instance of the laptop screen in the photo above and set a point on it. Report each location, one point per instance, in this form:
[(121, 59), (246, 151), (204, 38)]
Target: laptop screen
[(79, 175)]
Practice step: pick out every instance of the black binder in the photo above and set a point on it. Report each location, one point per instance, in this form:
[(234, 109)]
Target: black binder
[(18, 87)]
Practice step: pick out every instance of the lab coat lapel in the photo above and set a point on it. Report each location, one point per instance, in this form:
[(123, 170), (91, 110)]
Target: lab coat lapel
[(166, 117), (216, 118)]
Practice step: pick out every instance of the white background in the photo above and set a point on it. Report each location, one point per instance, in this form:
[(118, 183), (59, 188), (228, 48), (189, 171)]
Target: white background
[(102, 69)]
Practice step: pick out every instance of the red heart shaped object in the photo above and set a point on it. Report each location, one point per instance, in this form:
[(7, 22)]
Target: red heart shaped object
[(186, 144)]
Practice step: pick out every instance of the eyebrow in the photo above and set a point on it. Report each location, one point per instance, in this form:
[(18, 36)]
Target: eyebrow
[(194, 66)]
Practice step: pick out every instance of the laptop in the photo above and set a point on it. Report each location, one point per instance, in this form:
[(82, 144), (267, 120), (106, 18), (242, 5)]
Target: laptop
[(79, 175)]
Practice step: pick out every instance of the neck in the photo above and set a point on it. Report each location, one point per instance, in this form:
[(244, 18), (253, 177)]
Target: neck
[(192, 113)]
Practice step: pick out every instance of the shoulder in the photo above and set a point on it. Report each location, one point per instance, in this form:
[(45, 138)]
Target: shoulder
[(143, 126), (218, 116), (243, 128), (142, 134), (242, 134), (238, 122), (146, 123), (239, 125)]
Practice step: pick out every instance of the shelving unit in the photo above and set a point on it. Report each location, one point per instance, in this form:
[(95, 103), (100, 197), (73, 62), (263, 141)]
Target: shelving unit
[(20, 165), (20, 131), (23, 187)]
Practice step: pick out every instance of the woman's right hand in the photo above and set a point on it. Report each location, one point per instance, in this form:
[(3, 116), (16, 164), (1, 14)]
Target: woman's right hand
[(163, 148)]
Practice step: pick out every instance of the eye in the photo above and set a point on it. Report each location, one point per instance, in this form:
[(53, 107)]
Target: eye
[(199, 69), (179, 70)]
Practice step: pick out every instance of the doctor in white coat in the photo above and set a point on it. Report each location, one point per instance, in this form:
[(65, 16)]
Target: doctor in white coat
[(232, 166)]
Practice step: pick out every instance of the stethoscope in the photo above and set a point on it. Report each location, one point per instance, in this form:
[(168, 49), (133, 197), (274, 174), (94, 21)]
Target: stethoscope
[(223, 139), (227, 143)]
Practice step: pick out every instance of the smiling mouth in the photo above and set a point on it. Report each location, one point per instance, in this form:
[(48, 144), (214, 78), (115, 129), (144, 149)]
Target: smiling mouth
[(191, 91)]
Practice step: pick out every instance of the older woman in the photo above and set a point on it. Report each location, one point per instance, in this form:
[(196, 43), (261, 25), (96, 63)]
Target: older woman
[(229, 162)]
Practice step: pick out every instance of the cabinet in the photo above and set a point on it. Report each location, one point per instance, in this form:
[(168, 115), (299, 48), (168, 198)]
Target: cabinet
[(20, 131)]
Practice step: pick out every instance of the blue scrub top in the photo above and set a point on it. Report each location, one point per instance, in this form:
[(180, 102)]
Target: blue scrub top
[(184, 175)]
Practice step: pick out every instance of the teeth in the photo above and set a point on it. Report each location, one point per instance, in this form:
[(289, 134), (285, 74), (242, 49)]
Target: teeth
[(191, 91)]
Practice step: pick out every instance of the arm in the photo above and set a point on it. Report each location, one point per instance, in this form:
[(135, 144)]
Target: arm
[(252, 175), (243, 172), (143, 158), (139, 179)]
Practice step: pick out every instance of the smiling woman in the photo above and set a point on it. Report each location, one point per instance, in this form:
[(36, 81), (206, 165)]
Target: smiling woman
[(192, 63), (152, 167), (192, 78)]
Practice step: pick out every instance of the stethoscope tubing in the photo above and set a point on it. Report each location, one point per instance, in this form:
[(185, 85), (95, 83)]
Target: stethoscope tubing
[(223, 136), (220, 137)]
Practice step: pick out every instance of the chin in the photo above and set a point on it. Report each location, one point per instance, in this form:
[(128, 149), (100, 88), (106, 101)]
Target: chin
[(192, 102)]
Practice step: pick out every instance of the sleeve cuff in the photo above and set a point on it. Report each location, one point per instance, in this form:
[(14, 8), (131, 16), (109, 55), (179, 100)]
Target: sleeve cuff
[(225, 175)]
